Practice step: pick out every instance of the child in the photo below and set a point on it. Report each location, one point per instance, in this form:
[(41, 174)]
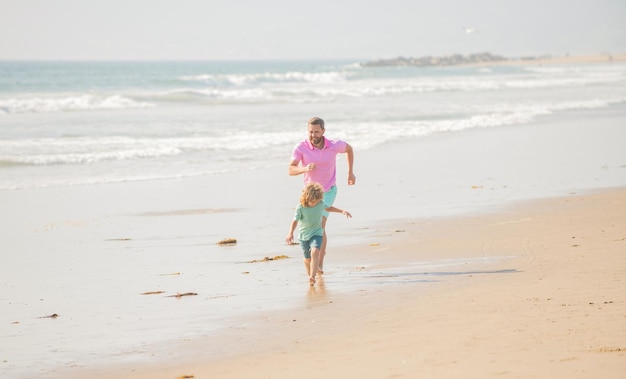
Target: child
[(309, 214)]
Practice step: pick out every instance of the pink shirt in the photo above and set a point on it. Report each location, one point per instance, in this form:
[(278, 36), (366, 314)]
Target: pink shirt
[(325, 172)]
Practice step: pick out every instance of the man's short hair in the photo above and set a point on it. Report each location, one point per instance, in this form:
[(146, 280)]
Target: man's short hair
[(317, 121)]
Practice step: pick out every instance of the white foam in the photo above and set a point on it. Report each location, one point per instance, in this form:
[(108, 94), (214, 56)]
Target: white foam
[(370, 135), (89, 150), (267, 77), (69, 103)]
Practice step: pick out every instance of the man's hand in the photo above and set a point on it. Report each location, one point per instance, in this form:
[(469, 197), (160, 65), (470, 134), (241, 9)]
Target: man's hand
[(351, 179)]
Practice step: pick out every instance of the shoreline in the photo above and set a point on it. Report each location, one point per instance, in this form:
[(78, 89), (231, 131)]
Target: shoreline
[(131, 237), (486, 59), (556, 300), (567, 59)]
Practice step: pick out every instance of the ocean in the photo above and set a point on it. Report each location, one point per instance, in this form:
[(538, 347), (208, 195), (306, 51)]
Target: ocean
[(119, 178), (74, 123)]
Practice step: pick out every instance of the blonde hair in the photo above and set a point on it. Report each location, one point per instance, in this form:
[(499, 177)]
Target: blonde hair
[(312, 192)]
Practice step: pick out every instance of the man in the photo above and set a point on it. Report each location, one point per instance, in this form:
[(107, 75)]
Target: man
[(316, 158)]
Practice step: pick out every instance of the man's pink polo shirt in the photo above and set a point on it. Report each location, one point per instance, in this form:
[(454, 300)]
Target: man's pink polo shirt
[(325, 160)]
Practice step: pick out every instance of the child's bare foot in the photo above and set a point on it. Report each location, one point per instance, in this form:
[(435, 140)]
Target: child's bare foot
[(311, 282), (320, 271)]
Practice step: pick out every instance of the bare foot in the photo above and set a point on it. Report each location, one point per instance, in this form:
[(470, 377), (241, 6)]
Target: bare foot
[(311, 282), (320, 271)]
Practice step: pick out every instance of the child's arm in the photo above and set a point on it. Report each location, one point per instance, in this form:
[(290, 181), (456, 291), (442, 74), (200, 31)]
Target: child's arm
[(292, 228), (337, 210)]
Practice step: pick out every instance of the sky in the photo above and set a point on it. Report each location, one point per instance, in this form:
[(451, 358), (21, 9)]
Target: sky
[(292, 29)]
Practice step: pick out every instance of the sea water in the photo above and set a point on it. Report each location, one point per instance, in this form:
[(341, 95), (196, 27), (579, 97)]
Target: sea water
[(72, 123), (130, 171)]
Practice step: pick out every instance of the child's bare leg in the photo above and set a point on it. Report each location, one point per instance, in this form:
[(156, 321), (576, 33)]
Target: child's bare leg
[(307, 265), (323, 247), (314, 264)]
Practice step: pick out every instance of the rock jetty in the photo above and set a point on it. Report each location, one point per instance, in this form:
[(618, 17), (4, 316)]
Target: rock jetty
[(428, 61)]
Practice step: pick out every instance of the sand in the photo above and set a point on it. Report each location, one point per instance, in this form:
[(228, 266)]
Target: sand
[(554, 308), (448, 268), (557, 60), (570, 59)]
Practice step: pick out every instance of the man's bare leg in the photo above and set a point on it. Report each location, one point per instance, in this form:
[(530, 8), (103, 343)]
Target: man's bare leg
[(323, 247), (307, 265)]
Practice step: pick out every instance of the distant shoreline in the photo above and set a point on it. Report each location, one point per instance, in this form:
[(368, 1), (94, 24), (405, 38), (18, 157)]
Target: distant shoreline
[(598, 58), (487, 59)]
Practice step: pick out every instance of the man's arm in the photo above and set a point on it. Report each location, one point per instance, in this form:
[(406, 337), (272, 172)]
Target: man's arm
[(350, 158), (296, 169)]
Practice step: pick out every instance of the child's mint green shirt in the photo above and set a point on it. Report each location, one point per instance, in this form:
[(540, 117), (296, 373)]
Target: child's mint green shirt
[(310, 220)]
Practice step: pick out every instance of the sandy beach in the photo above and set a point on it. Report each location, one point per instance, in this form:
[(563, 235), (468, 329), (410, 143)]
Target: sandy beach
[(561, 59), (569, 59), (480, 252), (504, 286), (554, 308)]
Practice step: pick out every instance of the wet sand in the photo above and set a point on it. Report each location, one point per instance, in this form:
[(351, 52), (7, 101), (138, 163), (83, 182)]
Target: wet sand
[(554, 305), (450, 267)]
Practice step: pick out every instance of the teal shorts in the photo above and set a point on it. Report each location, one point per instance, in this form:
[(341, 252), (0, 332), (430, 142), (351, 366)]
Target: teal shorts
[(329, 198), (314, 242)]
